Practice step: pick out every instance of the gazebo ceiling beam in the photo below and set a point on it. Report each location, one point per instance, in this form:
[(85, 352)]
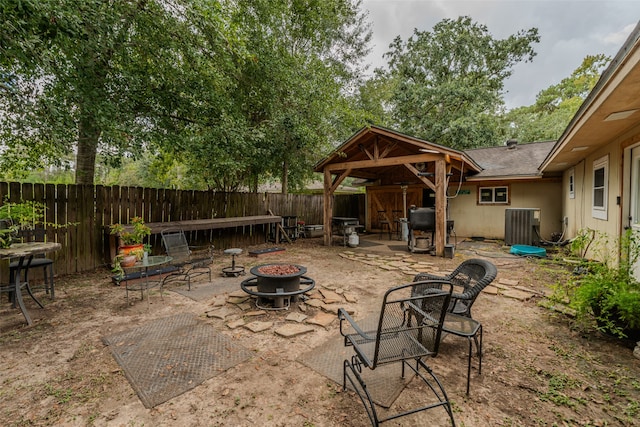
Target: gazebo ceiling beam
[(388, 149), (338, 180), (423, 179), (391, 161)]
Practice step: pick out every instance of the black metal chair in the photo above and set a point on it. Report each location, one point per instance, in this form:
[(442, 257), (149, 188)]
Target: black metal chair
[(471, 276), (397, 223), (456, 324), (408, 330), (383, 222), (468, 279), (191, 261), (465, 327), (46, 264)]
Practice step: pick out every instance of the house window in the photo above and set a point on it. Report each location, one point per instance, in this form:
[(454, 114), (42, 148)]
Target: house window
[(493, 195), (600, 184), (572, 183)]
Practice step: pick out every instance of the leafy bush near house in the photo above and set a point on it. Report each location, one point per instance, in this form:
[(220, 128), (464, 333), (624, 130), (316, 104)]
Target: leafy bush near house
[(608, 291)]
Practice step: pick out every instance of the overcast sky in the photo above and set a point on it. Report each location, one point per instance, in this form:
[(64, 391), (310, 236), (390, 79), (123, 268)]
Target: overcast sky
[(569, 30)]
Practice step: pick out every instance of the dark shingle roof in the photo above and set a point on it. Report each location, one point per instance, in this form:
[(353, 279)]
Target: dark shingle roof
[(501, 162)]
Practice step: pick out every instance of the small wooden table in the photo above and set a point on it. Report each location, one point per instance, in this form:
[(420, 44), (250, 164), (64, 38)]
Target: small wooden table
[(25, 253)]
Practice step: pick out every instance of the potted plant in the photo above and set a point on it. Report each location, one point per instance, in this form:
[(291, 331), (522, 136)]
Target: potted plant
[(611, 293), (131, 240)]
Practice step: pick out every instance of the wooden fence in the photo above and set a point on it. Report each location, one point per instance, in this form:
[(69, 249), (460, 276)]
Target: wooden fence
[(89, 210)]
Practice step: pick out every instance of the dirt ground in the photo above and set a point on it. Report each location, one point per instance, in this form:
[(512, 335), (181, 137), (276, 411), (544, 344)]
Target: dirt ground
[(537, 370)]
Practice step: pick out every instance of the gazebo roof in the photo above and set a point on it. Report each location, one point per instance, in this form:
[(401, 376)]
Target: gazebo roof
[(376, 153)]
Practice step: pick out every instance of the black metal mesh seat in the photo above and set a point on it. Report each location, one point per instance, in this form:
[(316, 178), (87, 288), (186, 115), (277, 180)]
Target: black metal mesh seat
[(408, 330), (191, 261)]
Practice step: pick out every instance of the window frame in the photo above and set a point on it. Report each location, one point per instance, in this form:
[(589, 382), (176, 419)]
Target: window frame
[(600, 211), (493, 201), (572, 184)]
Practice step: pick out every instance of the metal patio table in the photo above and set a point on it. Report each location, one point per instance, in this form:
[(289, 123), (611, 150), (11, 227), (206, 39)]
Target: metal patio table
[(25, 253), (143, 284)]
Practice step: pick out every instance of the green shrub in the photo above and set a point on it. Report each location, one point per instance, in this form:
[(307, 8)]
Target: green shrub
[(609, 291)]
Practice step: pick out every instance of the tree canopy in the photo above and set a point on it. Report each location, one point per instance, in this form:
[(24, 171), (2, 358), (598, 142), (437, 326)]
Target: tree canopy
[(556, 105), (231, 90), (230, 94), (448, 83)]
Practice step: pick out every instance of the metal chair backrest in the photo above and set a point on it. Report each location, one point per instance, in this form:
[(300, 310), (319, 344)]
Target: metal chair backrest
[(382, 217), (176, 245), (468, 279), (410, 323), (473, 275)]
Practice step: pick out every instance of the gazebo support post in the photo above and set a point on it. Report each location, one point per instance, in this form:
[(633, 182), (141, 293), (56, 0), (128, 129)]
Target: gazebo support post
[(328, 207), (441, 205)]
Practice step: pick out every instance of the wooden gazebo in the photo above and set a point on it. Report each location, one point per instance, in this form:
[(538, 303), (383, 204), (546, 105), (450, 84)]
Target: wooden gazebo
[(393, 163)]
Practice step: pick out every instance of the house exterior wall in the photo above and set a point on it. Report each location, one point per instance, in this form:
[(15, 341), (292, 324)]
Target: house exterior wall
[(474, 219), (579, 209)]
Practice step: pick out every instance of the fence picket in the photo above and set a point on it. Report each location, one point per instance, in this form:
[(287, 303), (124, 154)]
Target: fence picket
[(91, 209)]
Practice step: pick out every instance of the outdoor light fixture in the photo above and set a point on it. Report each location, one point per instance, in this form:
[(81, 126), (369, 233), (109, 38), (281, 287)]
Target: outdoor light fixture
[(619, 115)]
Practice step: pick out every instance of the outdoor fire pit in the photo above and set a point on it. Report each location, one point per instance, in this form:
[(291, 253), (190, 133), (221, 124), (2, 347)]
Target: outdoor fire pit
[(278, 284)]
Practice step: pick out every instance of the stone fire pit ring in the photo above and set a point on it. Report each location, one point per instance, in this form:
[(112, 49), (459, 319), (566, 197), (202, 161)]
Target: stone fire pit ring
[(279, 287)]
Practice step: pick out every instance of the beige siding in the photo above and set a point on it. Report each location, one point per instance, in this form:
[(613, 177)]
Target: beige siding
[(472, 219), (579, 210)]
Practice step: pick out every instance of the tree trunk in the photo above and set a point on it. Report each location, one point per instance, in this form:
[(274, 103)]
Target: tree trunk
[(88, 135)]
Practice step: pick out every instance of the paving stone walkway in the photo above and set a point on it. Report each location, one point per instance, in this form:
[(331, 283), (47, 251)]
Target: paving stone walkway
[(237, 309)]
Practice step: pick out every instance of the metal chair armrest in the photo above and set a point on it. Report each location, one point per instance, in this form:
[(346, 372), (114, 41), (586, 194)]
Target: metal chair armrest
[(343, 315)]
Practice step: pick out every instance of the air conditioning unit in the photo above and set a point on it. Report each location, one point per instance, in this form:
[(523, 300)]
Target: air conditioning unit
[(522, 227)]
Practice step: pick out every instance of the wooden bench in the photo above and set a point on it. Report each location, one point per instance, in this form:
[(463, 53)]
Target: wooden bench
[(201, 224)]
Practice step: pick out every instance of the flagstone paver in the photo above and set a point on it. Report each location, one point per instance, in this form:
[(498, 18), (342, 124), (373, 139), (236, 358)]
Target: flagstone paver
[(220, 313), (237, 300), (533, 291), (330, 296), (238, 293), (509, 282), (246, 306), (322, 319), (258, 326), (254, 313), (293, 329), (296, 317), (350, 297), (235, 323), (491, 290), (219, 301), (516, 294), (315, 303)]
